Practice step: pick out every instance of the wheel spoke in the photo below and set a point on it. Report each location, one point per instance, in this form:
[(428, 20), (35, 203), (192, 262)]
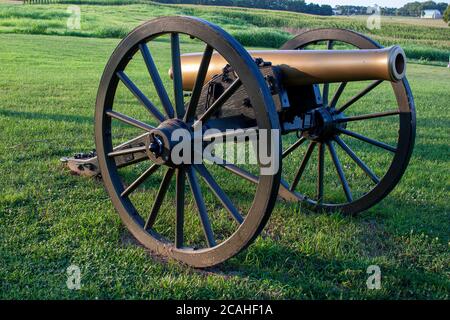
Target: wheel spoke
[(140, 180), (165, 183), (337, 164), (179, 221), (131, 121), (220, 194), (134, 140), (325, 94), (297, 144), (154, 74), (219, 102), (199, 82), (302, 167), (138, 156), (355, 98), (177, 77), (337, 95), (355, 158), (235, 170), (369, 116), (368, 140), (140, 96), (126, 151), (320, 171), (330, 44), (196, 191)]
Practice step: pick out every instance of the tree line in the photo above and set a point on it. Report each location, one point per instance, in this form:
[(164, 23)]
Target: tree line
[(411, 9), (414, 9), (285, 5)]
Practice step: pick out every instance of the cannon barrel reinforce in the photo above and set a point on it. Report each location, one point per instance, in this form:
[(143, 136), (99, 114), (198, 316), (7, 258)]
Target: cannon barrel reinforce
[(303, 67)]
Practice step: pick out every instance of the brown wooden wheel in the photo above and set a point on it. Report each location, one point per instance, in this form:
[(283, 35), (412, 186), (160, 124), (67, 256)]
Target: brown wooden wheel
[(365, 161), (157, 216)]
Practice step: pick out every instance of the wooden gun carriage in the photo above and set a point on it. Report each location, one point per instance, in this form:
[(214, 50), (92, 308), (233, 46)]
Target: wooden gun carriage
[(227, 87)]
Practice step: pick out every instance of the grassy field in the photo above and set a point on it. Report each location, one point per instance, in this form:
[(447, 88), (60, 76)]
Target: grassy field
[(422, 40), (50, 219)]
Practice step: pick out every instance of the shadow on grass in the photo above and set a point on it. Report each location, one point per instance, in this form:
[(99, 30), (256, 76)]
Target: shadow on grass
[(384, 241), (299, 274), (403, 217), (430, 152), (291, 274), (46, 116), (316, 277)]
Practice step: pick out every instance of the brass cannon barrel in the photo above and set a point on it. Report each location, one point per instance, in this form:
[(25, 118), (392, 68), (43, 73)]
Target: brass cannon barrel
[(302, 67)]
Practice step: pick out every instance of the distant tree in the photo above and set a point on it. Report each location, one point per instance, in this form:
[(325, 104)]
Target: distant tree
[(442, 6), (447, 15), (385, 11), (415, 9), (287, 5), (412, 9)]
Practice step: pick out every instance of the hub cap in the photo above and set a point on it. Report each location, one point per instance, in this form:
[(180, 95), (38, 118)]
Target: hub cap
[(159, 143), (326, 124)]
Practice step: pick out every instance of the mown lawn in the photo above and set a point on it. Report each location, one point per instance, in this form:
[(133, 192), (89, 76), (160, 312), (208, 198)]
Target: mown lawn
[(50, 219)]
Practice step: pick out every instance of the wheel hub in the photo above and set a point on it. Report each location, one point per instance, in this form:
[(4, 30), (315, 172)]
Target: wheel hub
[(159, 143), (326, 124)]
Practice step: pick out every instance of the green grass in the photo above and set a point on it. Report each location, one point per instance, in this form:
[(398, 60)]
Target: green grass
[(424, 41), (50, 219)]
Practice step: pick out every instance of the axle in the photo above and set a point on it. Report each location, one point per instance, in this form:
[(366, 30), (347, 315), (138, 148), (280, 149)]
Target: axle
[(305, 67)]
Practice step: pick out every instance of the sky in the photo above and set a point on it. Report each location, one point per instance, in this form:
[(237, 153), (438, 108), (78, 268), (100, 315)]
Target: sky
[(381, 3)]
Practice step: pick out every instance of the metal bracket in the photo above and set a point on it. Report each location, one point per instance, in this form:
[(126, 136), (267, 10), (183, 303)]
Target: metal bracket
[(86, 164), (83, 164)]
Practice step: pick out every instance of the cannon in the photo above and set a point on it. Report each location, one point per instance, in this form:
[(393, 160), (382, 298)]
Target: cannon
[(320, 156)]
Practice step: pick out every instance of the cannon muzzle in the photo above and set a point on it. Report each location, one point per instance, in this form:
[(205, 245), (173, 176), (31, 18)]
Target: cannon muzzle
[(303, 67)]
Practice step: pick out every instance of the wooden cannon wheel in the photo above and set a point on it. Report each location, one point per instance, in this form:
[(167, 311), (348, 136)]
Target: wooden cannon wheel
[(377, 184), (241, 226)]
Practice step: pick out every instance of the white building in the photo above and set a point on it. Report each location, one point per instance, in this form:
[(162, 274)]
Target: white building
[(431, 14)]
